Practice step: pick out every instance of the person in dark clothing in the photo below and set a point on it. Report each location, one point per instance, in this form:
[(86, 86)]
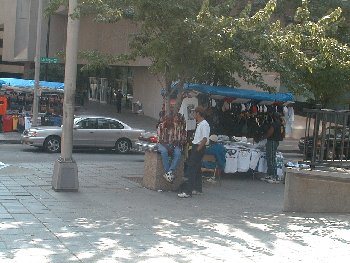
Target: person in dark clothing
[(273, 136), (119, 97), (193, 172)]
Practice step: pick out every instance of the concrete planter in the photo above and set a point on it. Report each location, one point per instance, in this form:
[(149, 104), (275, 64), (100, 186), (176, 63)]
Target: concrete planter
[(153, 173), (317, 191)]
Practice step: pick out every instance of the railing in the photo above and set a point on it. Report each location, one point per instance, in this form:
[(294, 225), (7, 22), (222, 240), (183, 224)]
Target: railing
[(327, 137)]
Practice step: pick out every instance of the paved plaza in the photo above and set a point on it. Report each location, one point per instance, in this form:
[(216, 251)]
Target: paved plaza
[(112, 218)]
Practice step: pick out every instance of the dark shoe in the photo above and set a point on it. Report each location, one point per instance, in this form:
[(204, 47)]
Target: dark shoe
[(264, 179)]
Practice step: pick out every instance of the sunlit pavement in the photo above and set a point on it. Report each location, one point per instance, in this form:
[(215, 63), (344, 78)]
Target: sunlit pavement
[(114, 219)]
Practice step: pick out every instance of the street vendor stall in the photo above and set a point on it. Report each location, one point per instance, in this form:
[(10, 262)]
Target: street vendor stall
[(19, 94), (239, 117)]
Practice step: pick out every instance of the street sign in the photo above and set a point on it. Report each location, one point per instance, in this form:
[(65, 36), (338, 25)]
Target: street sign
[(48, 60)]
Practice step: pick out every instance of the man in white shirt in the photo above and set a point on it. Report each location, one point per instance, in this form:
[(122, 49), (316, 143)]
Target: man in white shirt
[(193, 172)]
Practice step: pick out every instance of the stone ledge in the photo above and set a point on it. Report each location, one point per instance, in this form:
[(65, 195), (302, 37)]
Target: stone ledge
[(317, 191), (153, 173)]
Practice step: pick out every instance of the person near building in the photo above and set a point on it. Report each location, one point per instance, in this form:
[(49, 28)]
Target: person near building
[(288, 112), (193, 184), (172, 137), (219, 151), (119, 97), (274, 135)]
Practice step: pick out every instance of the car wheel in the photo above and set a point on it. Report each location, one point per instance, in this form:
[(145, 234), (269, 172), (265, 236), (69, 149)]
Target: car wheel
[(123, 146), (53, 144)]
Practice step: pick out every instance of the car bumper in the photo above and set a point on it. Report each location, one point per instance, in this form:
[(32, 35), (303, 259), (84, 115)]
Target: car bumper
[(142, 146), (32, 141)]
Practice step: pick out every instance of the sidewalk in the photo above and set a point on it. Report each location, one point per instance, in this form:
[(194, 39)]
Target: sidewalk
[(112, 218)]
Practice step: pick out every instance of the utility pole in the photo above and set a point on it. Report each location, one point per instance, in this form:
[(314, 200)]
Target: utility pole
[(65, 175), (37, 66)]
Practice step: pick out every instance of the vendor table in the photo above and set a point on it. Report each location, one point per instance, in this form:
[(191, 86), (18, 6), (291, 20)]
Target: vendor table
[(242, 157)]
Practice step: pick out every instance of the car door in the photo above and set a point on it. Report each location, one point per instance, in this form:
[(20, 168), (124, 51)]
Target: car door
[(108, 132), (84, 133)]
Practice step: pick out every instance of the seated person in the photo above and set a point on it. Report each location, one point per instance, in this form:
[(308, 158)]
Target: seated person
[(218, 150), (171, 131)]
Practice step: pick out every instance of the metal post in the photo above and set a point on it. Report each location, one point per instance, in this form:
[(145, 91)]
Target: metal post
[(65, 177), (37, 66)]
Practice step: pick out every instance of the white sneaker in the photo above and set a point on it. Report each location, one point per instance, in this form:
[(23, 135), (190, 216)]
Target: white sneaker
[(272, 181), (195, 192), (183, 195), (211, 180)]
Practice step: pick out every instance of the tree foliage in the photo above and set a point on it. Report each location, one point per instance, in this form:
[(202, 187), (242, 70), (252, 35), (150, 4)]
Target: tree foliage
[(309, 59), (222, 41)]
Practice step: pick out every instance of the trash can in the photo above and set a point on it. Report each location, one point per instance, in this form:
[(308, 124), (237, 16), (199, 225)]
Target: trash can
[(3, 105), (7, 123)]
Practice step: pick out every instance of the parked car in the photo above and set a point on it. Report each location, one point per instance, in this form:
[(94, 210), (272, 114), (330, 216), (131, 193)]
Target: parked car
[(147, 141), (88, 132), (333, 135)]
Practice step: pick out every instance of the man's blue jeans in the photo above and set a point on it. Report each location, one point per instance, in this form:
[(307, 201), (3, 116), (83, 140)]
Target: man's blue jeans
[(169, 166)]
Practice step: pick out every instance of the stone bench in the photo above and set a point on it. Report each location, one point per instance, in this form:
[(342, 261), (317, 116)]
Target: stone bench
[(317, 191), (153, 173)]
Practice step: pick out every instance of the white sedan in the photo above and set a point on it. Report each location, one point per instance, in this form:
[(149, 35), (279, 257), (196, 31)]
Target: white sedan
[(88, 132)]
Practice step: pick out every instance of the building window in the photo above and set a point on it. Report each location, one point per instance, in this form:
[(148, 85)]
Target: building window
[(1, 43)]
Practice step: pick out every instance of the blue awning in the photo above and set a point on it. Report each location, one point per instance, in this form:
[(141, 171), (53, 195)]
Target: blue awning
[(231, 92), (29, 84)]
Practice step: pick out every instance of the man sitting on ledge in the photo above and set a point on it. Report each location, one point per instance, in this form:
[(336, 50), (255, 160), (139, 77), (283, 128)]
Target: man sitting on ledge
[(172, 134)]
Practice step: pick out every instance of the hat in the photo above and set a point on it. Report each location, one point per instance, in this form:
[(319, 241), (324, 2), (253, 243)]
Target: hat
[(213, 138)]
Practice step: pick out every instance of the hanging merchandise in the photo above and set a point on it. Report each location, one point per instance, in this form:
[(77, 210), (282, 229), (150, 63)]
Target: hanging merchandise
[(187, 110), (242, 117)]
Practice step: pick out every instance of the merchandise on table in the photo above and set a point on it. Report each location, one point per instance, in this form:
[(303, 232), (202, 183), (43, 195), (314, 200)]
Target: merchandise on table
[(242, 157)]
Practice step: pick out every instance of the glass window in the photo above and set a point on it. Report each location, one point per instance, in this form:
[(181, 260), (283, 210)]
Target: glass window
[(87, 124), (109, 124)]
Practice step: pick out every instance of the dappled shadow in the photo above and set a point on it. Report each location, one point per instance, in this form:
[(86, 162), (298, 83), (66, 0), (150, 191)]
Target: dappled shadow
[(113, 219), (126, 239)]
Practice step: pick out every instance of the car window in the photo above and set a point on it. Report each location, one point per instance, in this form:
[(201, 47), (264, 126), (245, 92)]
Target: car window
[(109, 124), (87, 124)]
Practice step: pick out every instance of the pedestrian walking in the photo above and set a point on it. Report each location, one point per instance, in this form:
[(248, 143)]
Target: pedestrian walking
[(119, 97), (193, 184)]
